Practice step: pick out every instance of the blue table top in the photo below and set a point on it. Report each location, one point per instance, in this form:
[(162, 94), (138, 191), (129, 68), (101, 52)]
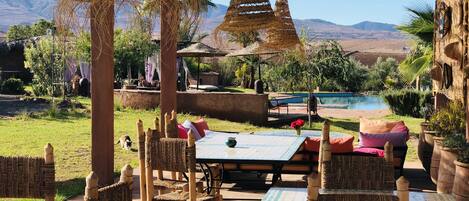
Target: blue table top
[(249, 148)]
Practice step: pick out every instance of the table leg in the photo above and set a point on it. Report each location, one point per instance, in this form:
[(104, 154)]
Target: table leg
[(277, 173)]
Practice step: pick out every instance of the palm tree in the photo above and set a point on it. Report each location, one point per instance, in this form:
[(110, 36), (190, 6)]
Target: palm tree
[(420, 59)]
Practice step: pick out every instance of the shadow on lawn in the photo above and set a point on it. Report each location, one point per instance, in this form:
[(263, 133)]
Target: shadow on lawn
[(347, 125), (70, 188)]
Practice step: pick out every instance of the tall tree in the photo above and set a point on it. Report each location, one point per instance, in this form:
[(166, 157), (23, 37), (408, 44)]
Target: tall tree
[(420, 59), (245, 39)]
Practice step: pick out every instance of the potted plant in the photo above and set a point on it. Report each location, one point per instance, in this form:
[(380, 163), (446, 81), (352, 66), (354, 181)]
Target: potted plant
[(449, 153), (297, 126), (445, 122), (461, 177), (425, 145)]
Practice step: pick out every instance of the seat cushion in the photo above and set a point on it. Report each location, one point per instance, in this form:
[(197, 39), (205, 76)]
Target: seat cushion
[(369, 151), (372, 140), (338, 145), (377, 126), (182, 132), (201, 125), (190, 127)]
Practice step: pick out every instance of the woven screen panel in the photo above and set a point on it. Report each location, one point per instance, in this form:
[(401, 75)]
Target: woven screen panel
[(358, 172), (25, 177), (169, 154), (248, 15), (116, 192)]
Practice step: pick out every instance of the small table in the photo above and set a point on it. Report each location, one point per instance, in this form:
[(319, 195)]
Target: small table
[(250, 149), (300, 194)]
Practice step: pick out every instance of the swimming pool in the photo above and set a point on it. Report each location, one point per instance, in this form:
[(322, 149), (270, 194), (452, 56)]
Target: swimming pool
[(343, 101)]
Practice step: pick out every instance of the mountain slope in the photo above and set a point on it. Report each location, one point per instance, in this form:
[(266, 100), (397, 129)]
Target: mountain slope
[(28, 11)]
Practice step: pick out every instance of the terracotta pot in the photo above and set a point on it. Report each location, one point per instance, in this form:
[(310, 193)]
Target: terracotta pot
[(429, 135), (446, 170), (436, 155), (461, 181), (425, 149)]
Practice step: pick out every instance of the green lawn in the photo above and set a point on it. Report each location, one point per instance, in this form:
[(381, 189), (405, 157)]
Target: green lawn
[(69, 133)]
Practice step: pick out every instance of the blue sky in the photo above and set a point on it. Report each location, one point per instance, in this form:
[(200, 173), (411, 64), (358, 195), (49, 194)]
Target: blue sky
[(349, 12)]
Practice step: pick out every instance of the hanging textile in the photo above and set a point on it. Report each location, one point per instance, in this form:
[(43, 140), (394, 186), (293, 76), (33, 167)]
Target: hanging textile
[(70, 70), (149, 70), (85, 70)]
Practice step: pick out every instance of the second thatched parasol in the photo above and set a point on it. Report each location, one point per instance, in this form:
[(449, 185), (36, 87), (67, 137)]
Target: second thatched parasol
[(247, 15), (282, 35), (257, 48), (200, 50)]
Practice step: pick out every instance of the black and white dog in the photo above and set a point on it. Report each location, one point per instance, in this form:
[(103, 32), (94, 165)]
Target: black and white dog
[(125, 142)]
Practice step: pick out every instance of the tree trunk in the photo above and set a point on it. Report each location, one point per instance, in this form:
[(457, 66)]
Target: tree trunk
[(252, 79), (102, 89), (169, 26), (417, 83)]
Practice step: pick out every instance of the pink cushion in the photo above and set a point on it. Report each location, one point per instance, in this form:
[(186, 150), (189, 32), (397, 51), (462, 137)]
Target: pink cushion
[(379, 140), (338, 145), (182, 132), (201, 126), (190, 127), (371, 151)]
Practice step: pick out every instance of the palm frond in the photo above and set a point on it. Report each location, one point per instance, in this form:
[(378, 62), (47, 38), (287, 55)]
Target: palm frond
[(421, 24)]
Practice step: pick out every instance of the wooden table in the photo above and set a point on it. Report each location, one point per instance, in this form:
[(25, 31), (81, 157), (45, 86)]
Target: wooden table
[(250, 149), (300, 194)]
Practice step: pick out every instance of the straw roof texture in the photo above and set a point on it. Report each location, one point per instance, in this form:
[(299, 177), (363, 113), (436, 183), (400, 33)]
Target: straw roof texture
[(200, 50), (282, 35), (247, 15)]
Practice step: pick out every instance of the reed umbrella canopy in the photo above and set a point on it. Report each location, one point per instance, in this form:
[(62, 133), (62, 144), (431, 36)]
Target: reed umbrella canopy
[(200, 50), (248, 15), (283, 35)]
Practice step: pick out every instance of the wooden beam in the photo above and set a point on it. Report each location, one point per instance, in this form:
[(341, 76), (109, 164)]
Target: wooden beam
[(169, 27), (102, 89)]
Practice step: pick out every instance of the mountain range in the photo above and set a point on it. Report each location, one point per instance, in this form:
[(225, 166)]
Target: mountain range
[(28, 11)]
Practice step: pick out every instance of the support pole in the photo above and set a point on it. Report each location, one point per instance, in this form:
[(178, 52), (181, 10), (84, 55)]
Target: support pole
[(169, 27), (102, 90), (198, 73)]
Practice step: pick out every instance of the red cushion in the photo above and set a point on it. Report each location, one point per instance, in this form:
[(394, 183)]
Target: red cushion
[(182, 132), (338, 145), (201, 125)]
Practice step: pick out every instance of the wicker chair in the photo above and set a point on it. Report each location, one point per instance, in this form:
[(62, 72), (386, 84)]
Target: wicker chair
[(352, 178), (27, 177), (121, 191), (168, 154)]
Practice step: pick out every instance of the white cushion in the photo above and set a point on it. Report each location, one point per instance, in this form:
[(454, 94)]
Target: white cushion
[(190, 127)]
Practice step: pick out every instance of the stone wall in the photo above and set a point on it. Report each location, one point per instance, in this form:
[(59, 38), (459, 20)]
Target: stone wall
[(450, 48), (238, 107)]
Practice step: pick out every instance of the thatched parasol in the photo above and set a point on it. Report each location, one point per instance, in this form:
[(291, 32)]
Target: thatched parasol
[(200, 50), (257, 48), (282, 35), (248, 15)]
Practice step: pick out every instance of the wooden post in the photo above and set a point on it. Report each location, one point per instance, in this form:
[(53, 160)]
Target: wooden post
[(324, 137), (102, 90), (161, 135), (91, 189), (326, 157), (314, 183), (148, 166), (388, 153), (169, 26), (141, 156), (192, 185), (170, 124), (49, 160), (402, 189), (127, 175)]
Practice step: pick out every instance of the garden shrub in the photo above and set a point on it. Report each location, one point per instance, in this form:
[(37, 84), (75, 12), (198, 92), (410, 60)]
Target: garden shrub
[(407, 102), (12, 86)]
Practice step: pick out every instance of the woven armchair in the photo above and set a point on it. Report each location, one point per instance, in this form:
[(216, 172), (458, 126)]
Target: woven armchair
[(352, 178), (121, 191), (168, 154), (28, 177)]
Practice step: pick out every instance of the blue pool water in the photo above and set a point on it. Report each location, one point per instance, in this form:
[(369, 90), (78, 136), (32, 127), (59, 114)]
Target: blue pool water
[(344, 101)]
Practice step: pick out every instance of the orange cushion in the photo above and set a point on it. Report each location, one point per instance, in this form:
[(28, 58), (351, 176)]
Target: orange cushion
[(201, 125), (377, 126), (338, 145)]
